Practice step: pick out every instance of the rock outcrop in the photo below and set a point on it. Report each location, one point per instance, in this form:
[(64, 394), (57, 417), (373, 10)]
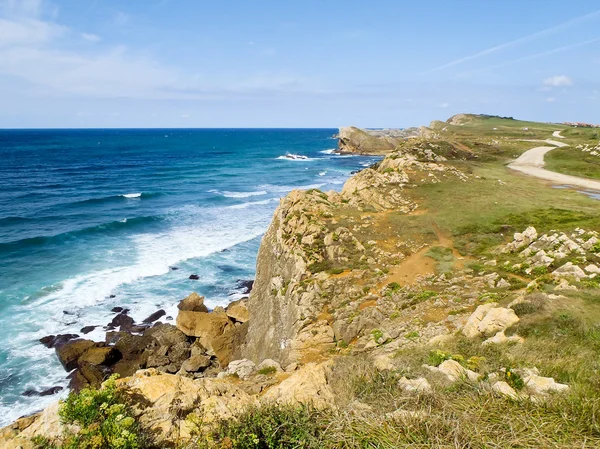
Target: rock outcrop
[(366, 141)]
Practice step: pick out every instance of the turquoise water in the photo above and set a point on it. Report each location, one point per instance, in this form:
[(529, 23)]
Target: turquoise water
[(90, 214)]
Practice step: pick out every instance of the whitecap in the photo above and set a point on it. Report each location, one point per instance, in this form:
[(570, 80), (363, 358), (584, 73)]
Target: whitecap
[(294, 157), (228, 194), (330, 151), (132, 195)]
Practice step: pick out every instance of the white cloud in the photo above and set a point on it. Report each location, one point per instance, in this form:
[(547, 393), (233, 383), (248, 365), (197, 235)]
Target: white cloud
[(558, 81), (550, 99), (91, 37), (28, 32)]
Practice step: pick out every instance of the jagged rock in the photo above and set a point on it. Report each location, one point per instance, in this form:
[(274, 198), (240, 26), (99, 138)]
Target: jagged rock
[(238, 311), (51, 341), (538, 385), (87, 329), (166, 334), (45, 392), (100, 356), (455, 371), (69, 352), (155, 316), (179, 353), (419, 385), (269, 363), (123, 321), (522, 239), (487, 320), (196, 363), (563, 284), (243, 368), (504, 389), (165, 401), (19, 434), (591, 268), (501, 338), (193, 303), (204, 326), (307, 385), (571, 270)]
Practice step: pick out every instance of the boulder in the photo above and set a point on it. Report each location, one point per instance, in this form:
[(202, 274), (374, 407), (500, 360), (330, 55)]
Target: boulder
[(69, 352), (419, 385), (238, 311), (571, 270), (307, 385), (155, 316), (44, 392), (166, 334), (202, 325), (193, 303), (488, 320), (87, 329), (100, 356), (269, 363), (455, 371), (243, 368), (51, 341), (194, 277), (504, 389), (246, 285), (196, 363), (179, 353), (227, 346), (169, 405), (122, 321), (540, 386), (501, 338)]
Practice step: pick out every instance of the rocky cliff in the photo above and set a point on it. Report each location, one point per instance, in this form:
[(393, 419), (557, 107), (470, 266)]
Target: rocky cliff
[(370, 141), (416, 306)]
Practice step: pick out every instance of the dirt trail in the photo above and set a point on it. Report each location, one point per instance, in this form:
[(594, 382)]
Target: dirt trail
[(531, 162)]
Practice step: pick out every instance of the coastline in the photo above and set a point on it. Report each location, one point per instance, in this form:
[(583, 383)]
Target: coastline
[(331, 289)]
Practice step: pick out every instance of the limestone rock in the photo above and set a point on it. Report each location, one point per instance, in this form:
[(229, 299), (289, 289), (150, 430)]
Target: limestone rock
[(504, 389), (165, 401), (193, 303), (227, 346), (204, 326), (69, 352), (538, 385), (571, 270), (471, 328), (455, 371), (487, 320), (238, 311), (308, 385), (243, 368), (100, 356), (196, 363), (419, 385), (501, 338)]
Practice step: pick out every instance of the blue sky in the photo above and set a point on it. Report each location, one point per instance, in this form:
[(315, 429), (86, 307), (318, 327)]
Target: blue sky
[(195, 63)]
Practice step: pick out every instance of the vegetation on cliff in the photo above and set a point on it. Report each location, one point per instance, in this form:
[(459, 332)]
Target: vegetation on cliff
[(439, 300)]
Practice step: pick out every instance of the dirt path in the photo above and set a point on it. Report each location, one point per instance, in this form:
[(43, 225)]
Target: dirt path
[(531, 162), (557, 134)]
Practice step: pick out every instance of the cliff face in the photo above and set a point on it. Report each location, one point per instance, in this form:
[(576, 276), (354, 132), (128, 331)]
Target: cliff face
[(365, 141), (319, 259)]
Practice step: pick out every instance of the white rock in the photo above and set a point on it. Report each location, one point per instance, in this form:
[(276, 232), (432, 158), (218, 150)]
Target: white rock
[(591, 268), (269, 363), (497, 319), (491, 263), (569, 269), (504, 389), (539, 385), (564, 285), (471, 328), (501, 338), (243, 368), (503, 283), (455, 371), (420, 385)]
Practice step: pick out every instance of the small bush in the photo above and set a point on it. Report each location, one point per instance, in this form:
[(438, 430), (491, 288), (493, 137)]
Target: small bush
[(267, 370), (103, 418), (268, 427), (513, 379)]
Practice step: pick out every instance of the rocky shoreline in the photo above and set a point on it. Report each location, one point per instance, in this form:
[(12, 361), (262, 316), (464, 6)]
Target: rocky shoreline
[(350, 277)]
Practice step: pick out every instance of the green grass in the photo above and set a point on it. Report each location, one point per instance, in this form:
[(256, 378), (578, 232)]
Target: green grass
[(573, 161), (444, 258)]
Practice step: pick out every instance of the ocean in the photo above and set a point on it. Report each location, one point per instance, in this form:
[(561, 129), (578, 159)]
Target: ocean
[(94, 219)]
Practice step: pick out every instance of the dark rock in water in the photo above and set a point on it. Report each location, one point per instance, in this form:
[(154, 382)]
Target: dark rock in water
[(169, 318), (68, 353), (66, 312), (353, 172), (246, 285), (174, 268), (47, 392), (194, 277), (112, 296), (87, 329), (117, 309), (122, 321), (155, 316), (54, 340)]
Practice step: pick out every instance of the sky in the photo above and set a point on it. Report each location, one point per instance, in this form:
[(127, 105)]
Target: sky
[(309, 63)]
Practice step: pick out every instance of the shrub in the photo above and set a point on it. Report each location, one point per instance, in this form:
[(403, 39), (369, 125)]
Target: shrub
[(103, 418), (268, 427), (267, 370), (513, 379)]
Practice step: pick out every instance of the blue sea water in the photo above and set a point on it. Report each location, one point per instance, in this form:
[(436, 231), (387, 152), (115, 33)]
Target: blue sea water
[(90, 214)]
